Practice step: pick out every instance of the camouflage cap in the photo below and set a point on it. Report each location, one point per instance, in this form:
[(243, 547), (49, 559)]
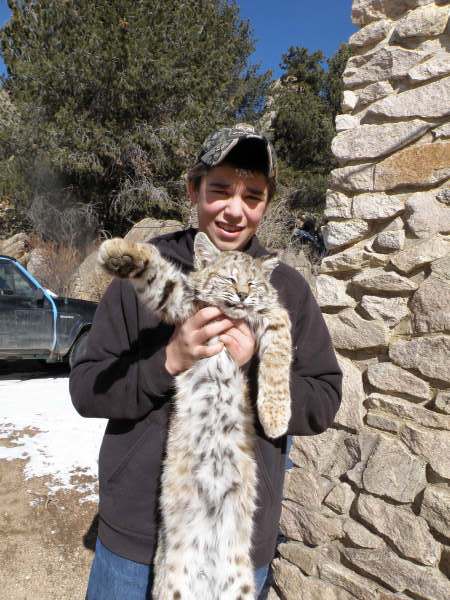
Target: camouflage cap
[(219, 143)]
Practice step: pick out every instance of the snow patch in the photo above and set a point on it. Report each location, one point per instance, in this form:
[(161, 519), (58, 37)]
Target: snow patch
[(41, 425)]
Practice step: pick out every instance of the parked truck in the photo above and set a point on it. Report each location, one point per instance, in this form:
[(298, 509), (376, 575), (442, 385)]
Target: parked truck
[(35, 323)]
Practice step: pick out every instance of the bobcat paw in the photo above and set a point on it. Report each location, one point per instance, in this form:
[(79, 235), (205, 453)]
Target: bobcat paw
[(122, 258), (274, 418)]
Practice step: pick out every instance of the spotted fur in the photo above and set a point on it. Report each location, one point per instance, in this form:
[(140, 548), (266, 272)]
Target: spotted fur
[(208, 486)]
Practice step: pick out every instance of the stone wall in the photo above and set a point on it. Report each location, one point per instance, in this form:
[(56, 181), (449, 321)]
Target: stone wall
[(367, 508)]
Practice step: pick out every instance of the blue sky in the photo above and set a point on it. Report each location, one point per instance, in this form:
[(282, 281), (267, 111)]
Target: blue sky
[(278, 24)]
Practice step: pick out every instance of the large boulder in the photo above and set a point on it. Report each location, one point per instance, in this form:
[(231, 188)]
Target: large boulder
[(149, 228), (17, 246), (89, 281), (41, 266)]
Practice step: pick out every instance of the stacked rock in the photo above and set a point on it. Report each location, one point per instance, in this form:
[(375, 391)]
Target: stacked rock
[(367, 507)]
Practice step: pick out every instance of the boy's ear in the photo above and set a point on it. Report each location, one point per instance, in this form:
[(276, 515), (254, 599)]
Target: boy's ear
[(269, 263), (204, 251), (192, 192)]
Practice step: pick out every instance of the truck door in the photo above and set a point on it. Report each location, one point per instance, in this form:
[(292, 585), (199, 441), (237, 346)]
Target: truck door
[(26, 322)]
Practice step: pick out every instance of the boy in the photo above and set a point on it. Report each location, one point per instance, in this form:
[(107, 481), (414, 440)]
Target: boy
[(127, 371)]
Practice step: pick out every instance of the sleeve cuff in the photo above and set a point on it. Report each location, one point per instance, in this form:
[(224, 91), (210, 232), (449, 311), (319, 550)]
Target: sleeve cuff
[(155, 379)]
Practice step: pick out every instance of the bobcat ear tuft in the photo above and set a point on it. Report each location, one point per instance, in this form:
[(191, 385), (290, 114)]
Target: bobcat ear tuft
[(269, 263), (204, 251)]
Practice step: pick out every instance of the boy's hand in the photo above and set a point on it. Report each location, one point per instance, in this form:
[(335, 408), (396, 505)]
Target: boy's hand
[(189, 340), (240, 342)]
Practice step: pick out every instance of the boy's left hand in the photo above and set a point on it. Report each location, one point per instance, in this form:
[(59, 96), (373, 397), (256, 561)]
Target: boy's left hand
[(240, 342)]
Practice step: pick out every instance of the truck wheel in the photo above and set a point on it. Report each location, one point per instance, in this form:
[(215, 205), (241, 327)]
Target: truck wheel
[(78, 348)]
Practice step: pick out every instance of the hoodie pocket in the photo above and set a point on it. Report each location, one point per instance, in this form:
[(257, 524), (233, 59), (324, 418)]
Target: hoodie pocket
[(150, 435), (129, 490)]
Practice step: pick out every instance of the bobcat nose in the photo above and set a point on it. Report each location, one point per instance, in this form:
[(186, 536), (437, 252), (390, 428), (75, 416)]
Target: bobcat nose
[(242, 296)]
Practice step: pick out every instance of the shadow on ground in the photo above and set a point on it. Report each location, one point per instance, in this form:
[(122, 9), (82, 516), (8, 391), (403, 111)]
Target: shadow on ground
[(31, 369), (90, 537)]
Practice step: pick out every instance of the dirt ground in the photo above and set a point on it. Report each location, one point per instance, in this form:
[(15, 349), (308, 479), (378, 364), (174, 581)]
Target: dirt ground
[(46, 543)]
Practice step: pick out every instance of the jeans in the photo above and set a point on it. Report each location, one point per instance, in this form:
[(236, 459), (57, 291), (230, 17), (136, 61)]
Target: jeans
[(115, 578), (289, 463)]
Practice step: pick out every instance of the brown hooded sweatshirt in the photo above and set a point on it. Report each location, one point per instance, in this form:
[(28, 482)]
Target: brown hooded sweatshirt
[(121, 377)]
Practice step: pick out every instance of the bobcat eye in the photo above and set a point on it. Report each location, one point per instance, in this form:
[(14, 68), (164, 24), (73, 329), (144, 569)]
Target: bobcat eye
[(229, 279)]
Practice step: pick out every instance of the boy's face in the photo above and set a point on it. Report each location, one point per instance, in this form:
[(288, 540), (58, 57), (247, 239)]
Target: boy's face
[(230, 205)]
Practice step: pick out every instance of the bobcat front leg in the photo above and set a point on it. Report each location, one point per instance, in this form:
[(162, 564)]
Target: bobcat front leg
[(275, 357), (158, 283)]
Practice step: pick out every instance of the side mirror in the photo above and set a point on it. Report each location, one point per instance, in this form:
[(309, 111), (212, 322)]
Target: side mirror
[(39, 296)]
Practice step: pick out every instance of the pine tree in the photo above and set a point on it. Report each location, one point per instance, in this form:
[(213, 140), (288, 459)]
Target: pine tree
[(305, 105), (11, 152), (334, 85), (303, 68), (116, 97), (303, 128)]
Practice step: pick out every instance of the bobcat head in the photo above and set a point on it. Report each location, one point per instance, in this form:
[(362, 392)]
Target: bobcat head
[(233, 281)]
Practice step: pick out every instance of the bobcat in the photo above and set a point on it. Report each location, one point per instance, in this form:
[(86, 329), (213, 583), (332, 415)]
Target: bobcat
[(208, 483)]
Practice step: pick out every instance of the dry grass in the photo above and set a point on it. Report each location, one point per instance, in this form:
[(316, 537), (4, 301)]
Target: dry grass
[(275, 233), (54, 264), (275, 230)]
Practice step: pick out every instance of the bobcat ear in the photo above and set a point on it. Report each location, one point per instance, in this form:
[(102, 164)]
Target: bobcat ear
[(269, 263), (204, 251)]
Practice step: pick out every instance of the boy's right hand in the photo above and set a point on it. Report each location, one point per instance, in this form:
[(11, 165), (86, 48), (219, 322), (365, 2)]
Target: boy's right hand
[(189, 340)]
